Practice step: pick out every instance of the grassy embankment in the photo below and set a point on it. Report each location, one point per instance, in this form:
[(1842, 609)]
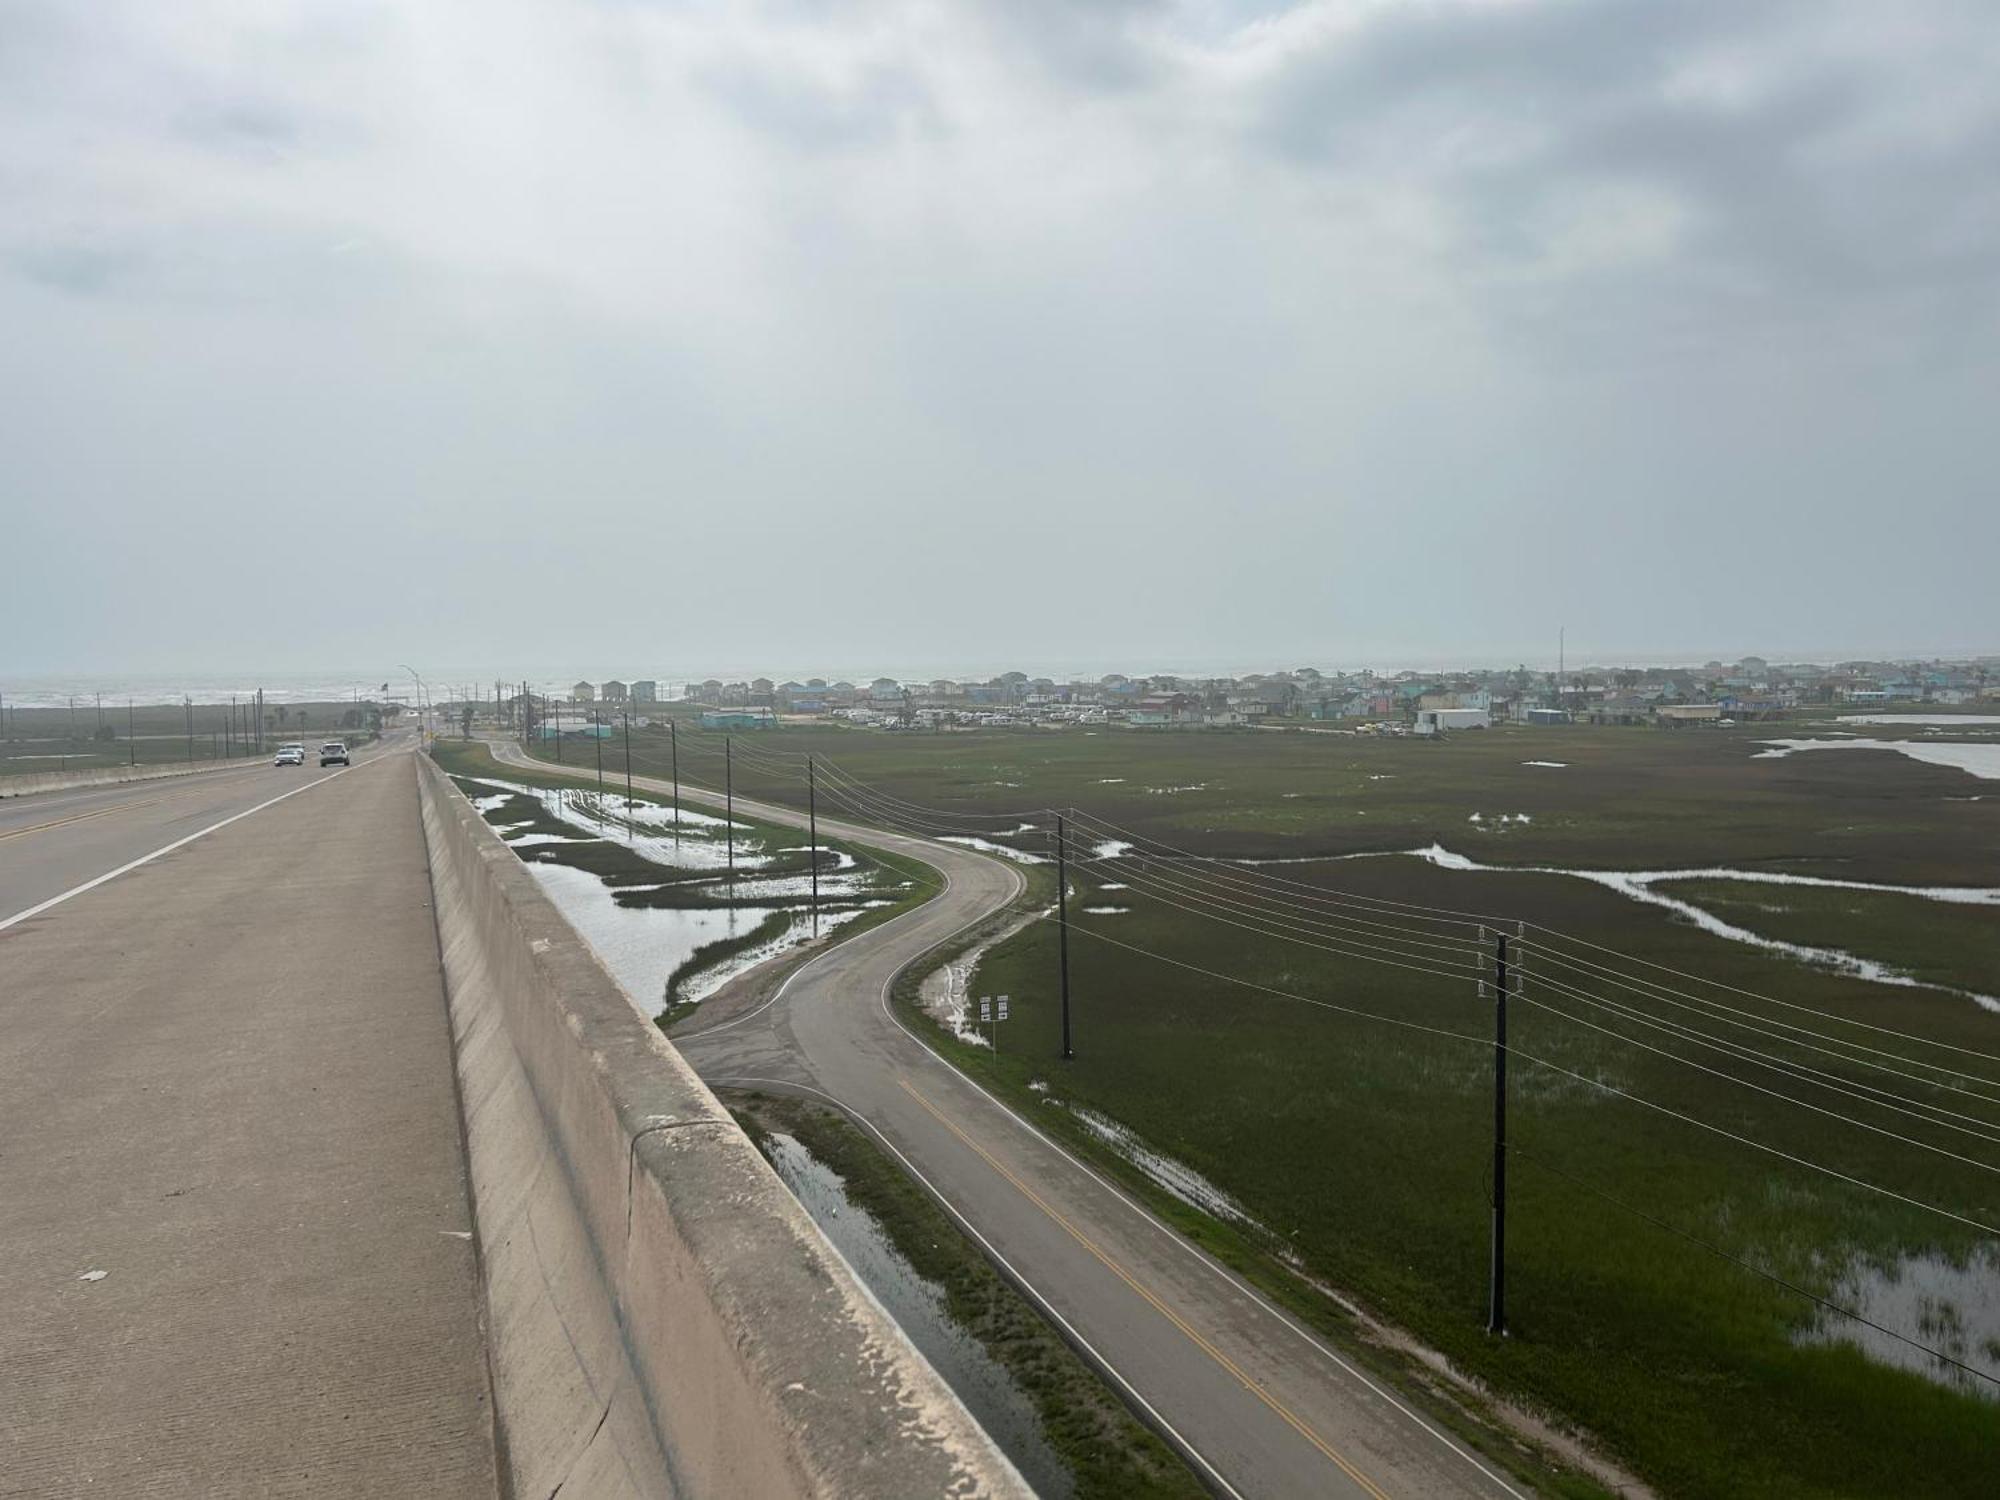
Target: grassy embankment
[(1111, 1455), (1362, 1149)]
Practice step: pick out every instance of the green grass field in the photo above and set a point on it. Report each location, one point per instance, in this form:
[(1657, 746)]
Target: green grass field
[(1359, 1149), (41, 739)]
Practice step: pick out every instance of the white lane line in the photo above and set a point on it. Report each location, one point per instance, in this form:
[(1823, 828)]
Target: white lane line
[(147, 859), (1152, 1222), (1159, 1423)]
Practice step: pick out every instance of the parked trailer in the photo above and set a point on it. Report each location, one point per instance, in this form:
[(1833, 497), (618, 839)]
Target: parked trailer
[(1443, 720)]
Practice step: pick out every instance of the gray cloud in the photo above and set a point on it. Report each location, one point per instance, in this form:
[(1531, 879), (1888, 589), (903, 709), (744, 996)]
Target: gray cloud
[(1164, 330)]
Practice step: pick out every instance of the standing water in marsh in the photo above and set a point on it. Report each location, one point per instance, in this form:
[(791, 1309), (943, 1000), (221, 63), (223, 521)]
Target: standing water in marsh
[(919, 1308), (1949, 1307), (650, 889)]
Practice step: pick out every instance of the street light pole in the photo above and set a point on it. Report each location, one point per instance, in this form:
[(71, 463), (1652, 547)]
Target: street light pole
[(423, 702), (812, 836)]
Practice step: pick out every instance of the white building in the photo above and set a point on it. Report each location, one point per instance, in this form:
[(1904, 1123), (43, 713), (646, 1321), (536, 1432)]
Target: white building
[(1444, 720)]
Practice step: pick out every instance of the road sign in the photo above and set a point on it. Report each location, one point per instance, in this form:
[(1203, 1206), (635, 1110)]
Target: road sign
[(985, 1008), (1000, 1012)]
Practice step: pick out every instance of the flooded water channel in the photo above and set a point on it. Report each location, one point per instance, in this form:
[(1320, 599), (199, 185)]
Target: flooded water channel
[(646, 934), (919, 1308)]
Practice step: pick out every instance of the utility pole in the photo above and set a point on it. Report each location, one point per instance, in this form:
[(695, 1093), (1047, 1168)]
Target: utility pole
[(674, 750), (598, 740), (1496, 1314), (812, 836), (559, 719), (628, 770), (187, 705), (131, 740), (1062, 924), (729, 807)]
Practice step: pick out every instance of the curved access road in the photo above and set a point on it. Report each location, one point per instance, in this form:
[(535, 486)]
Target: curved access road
[(1260, 1405)]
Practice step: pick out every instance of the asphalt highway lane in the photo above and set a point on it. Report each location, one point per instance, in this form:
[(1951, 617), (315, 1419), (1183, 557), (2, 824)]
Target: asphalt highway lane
[(1265, 1408), (52, 842), (235, 1252)]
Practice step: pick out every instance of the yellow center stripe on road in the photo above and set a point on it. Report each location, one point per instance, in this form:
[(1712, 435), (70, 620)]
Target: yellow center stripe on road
[(105, 812), (82, 817), (1200, 1341)]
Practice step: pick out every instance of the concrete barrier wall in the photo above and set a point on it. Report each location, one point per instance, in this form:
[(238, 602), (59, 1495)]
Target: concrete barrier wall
[(663, 1318), (64, 781)]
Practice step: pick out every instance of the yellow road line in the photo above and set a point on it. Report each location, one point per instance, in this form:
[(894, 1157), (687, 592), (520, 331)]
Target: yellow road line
[(104, 812), (1200, 1341), (82, 817)]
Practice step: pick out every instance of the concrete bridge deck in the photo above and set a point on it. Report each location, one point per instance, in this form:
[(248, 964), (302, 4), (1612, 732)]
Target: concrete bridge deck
[(226, 1084)]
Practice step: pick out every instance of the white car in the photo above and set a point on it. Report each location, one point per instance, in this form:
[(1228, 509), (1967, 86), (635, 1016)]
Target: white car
[(333, 753), (290, 755)]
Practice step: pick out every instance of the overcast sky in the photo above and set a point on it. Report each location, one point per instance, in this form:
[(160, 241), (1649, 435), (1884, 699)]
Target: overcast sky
[(917, 335)]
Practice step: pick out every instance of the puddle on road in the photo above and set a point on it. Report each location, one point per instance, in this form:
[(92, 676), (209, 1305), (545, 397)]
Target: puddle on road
[(1951, 1307), (919, 1308)]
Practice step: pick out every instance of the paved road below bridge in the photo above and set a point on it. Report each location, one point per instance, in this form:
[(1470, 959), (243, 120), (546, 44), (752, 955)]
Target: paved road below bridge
[(1267, 1407)]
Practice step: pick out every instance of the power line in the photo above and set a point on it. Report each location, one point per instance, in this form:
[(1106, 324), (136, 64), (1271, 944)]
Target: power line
[(1750, 1266), (1754, 995), (1555, 1067), (1802, 1071), (1235, 871), (1192, 882), (1146, 886), (1717, 1010), (1632, 1041)]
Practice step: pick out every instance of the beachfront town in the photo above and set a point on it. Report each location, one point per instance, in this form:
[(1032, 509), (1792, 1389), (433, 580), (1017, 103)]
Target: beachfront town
[(1715, 693)]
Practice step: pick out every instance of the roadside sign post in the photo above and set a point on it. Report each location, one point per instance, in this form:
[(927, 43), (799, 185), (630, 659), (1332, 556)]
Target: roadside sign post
[(992, 1011)]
